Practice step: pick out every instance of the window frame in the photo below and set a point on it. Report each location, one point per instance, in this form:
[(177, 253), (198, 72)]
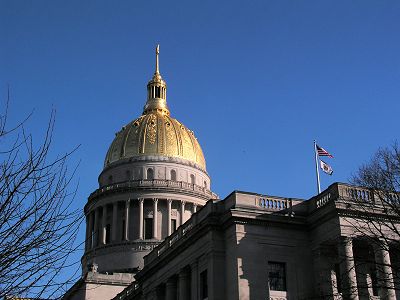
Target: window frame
[(276, 287)]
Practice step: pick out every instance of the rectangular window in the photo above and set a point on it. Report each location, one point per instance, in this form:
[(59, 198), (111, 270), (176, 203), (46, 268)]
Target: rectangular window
[(277, 276), (203, 285), (148, 228), (173, 225)]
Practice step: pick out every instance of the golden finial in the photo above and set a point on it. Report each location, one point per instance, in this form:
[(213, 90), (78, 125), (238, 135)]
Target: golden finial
[(157, 53)]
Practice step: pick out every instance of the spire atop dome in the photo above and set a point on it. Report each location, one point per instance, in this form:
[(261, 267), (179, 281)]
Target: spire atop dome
[(157, 53), (156, 91)]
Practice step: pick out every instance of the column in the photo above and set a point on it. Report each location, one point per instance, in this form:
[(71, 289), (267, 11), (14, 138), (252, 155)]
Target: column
[(194, 281), (91, 225), (182, 212), (96, 227), (114, 222), (170, 289), (155, 218), (103, 226), (194, 208), (141, 218), (384, 270), (127, 205), (347, 269), (184, 287), (89, 229), (169, 211)]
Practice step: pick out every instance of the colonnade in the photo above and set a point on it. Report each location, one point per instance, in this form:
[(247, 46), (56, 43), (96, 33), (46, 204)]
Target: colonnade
[(347, 281), (183, 285), (98, 230)]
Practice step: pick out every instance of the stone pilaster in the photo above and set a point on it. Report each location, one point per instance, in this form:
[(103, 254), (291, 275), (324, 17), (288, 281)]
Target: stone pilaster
[(194, 269), (170, 289), (184, 284)]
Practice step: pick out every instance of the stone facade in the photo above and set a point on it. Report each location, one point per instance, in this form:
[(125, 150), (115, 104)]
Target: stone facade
[(249, 246), (128, 217), (154, 179), (155, 230)]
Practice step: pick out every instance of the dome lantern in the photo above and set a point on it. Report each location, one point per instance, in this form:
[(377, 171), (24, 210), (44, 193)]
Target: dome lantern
[(156, 91)]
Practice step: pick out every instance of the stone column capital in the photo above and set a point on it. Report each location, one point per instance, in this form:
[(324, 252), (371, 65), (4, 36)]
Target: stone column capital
[(141, 200), (169, 200), (155, 200)]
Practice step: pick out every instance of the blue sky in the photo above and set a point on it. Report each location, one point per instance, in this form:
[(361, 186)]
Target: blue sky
[(257, 81)]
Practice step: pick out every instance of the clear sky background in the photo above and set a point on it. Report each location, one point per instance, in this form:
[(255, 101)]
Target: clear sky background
[(257, 81)]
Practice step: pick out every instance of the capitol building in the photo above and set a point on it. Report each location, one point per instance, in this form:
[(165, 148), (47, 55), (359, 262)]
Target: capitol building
[(156, 231)]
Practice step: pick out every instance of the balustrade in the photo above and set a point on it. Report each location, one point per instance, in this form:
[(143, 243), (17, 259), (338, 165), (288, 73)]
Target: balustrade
[(154, 183), (359, 194), (273, 204), (323, 199)]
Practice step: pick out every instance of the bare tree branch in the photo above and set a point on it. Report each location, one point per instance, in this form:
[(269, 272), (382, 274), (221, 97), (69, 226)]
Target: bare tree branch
[(38, 225)]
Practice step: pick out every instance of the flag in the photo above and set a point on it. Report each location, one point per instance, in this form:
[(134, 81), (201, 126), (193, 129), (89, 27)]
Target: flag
[(322, 152), (325, 167)]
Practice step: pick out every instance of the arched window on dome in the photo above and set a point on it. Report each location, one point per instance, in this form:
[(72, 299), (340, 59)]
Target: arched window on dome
[(158, 92), (150, 174), (173, 175), (192, 179)]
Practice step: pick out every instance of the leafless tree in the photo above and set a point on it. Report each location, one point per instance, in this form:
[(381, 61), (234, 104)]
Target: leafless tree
[(375, 221), (38, 224)]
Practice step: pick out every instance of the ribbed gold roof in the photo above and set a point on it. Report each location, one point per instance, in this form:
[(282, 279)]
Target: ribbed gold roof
[(155, 133)]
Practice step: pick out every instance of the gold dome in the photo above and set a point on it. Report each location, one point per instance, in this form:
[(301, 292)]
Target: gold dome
[(155, 133)]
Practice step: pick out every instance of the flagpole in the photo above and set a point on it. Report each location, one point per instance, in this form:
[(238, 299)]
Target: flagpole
[(316, 167)]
